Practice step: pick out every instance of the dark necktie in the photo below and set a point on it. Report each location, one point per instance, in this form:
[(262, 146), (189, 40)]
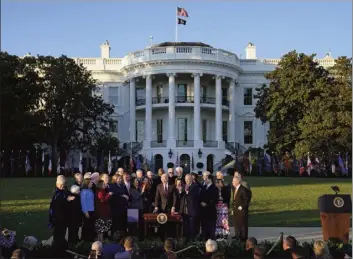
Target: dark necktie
[(187, 187), (165, 190)]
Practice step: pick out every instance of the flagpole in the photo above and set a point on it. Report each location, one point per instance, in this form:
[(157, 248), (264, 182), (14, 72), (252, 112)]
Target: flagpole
[(176, 25)]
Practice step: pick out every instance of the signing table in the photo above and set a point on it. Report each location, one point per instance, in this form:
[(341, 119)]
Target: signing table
[(151, 218)]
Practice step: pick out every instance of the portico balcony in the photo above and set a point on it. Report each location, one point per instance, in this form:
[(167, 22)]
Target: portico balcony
[(181, 100)]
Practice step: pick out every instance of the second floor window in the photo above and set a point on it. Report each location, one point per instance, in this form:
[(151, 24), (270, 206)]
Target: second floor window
[(182, 93), (114, 95), (247, 96)]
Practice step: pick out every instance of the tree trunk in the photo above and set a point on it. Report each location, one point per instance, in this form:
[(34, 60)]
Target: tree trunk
[(54, 152)]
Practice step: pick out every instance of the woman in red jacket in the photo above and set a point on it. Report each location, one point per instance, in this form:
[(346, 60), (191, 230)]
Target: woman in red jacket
[(103, 222)]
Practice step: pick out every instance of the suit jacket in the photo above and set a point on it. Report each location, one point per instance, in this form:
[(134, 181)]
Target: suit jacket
[(242, 198), (209, 196), (190, 202), (118, 204), (226, 193), (163, 201)]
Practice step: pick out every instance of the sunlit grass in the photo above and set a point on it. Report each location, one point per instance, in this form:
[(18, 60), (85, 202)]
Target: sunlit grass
[(276, 202)]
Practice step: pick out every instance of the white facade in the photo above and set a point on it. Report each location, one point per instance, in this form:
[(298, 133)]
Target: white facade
[(184, 99)]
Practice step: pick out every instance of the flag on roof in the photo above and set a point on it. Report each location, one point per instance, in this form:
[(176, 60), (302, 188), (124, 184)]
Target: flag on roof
[(182, 12)]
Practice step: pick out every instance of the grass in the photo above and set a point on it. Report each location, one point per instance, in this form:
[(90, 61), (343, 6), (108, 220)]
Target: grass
[(276, 202)]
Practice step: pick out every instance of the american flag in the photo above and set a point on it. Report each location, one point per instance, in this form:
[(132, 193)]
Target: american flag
[(182, 12), (109, 164), (309, 165), (28, 163), (49, 167)]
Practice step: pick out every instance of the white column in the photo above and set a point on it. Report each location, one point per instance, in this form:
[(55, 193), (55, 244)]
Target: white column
[(197, 109), (231, 134), (171, 111), (219, 108), (132, 110), (148, 120)]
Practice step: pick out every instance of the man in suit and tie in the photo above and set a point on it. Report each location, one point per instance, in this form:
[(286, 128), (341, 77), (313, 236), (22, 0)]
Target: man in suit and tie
[(165, 202), (208, 200), (189, 206), (241, 202), (180, 174)]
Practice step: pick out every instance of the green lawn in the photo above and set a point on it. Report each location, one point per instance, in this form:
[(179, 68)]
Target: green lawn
[(277, 201)]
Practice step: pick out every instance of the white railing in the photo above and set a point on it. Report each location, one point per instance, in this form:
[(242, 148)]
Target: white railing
[(325, 62), (181, 52)]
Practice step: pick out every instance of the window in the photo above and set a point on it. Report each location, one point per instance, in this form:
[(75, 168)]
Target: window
[(204, 130), (248, 131), (247, 96), (182, 93), (224, 96), (159, 93), (225, 130), (140, 130), (160, 131), (114, 127), (183, 129), (114, 95), (203, 94)]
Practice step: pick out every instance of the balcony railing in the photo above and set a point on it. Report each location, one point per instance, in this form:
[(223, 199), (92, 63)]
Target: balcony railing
[(184, 99), (185, 143), (140, 102), (210, 143), (162, 143), (181, 99), (160, 99)]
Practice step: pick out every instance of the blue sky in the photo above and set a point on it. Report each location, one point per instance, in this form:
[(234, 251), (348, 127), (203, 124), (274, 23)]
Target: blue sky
[(77, 28)]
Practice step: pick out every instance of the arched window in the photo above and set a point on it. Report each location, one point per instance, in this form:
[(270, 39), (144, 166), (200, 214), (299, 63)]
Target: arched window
[(185, 162), (158, 162)]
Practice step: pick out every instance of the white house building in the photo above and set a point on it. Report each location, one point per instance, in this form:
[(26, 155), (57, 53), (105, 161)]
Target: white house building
[(186, 103)]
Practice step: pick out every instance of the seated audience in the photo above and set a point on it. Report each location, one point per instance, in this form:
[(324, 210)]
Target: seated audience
[(128, 246), (259, 252), (98, 248), (299, 253), (18, 254), (169, 249), (110, 249), (289, 243), (321, 250), (251, 244), (211, 248)]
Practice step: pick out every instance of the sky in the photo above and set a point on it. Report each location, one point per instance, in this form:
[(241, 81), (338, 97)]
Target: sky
[(77, 28)]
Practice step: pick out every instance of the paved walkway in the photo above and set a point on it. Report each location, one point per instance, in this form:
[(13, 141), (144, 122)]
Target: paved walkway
[(272, 233)]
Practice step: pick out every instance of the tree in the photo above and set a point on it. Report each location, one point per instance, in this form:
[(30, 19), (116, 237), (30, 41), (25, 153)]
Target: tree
[(327, 123), (296, 81), (71, 112), (20, 91)]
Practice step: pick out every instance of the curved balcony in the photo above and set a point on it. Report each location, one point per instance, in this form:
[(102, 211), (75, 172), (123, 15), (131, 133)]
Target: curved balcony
[(181, 53), (181, 100)]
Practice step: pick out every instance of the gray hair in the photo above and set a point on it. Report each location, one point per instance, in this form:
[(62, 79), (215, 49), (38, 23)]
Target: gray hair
[(61, 180), (211, 246), (179, 169), (75, 189), (139, 171), (97, 246), (238, 177)]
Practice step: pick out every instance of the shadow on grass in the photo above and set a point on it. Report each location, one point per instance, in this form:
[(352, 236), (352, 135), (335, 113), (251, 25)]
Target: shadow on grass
[(33, 223)]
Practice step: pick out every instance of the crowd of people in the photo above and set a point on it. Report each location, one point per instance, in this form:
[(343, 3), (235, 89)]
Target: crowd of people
[(99, 206)]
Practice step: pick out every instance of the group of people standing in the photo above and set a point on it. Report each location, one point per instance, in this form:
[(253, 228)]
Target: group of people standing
[(100, 206)]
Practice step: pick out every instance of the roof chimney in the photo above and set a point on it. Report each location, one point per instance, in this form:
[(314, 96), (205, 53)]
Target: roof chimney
[(250, 51), (105, 49)]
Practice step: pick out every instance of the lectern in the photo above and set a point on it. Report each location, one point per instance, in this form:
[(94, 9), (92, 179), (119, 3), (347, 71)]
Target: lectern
[(335, 213)]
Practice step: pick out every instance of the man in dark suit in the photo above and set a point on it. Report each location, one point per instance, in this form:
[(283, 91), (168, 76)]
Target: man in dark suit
[(171, 176), (208, 200), (165, 202), (165, 196), (241, 202), (189, 206)]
